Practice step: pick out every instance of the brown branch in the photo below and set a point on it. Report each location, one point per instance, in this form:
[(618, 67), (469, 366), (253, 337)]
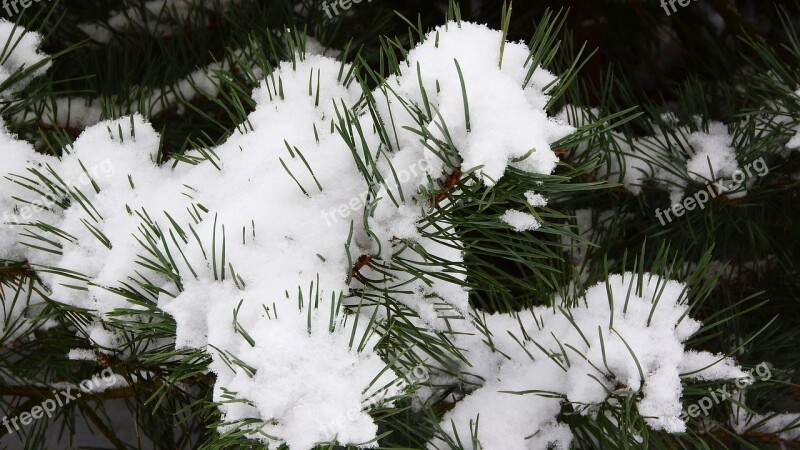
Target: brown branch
[(450, 182), (363, 261), (21, 271)]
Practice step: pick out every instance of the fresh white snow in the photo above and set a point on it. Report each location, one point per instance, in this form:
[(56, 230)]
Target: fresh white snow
[(249, 273)]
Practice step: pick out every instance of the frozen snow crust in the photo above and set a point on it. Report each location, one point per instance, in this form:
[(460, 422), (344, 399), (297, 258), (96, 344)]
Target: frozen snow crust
[(233, 247)]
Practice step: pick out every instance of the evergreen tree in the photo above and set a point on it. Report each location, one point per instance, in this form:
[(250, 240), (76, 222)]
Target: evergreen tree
[(337, 224)]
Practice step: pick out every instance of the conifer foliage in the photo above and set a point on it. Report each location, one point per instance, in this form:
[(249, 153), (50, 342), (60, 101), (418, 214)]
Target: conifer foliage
[(449, 226)]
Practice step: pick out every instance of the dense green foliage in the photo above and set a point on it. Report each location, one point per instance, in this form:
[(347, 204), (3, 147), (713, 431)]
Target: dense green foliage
[(627, 63)]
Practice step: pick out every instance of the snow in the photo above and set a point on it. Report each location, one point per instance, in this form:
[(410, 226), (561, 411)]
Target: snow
[(17, 156), (150, 17), (103, 381), (590, 225), (535, 199), (658, 159), (497, 101), (20, 51), (794, 142), (708, 366), (289, 356), (424, 106), (521, 221), (230, 245), (714, 157), (80, 113), (97, 383), (15, 296), (113, 237), (620, 347), (785, 425), (82, 354), (778, 113)]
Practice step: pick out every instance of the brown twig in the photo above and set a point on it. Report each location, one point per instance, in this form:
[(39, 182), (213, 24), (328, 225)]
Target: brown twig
[(363, 260), (23, 271), (450, 182), (562, 153)]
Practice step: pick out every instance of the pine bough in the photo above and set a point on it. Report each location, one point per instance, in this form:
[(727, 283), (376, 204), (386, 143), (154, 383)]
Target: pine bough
[(306, 321)]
